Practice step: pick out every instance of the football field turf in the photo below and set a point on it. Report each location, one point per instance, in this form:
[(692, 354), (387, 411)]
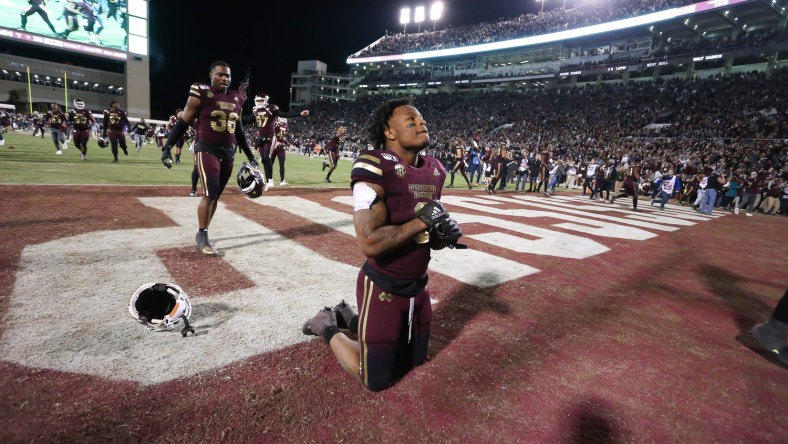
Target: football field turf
[(565, 320), (32, 160)]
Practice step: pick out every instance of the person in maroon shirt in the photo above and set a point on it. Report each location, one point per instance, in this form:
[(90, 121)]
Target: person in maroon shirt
[(265, 116), (458, 163), (81, 121), (57, 126), (498, 162), (115, 125), (218, 112), (631, 184), (398, 219), (752, 187), (278, 151), (332, 152)]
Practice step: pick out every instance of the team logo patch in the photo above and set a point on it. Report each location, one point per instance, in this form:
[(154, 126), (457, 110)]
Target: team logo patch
[(385, 297), (435, 172), (209, 94), (399, 170), (390, 157)]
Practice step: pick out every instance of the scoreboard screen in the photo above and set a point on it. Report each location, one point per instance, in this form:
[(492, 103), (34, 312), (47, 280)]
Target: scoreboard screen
[(105, 28)]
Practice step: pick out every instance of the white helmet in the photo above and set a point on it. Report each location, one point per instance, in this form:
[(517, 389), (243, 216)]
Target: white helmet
[(160, 307), (261, 100), (79, 104)]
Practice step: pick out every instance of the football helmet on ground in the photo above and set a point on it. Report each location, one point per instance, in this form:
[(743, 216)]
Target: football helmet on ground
[(251, 181), (160, 307), (102, 142)]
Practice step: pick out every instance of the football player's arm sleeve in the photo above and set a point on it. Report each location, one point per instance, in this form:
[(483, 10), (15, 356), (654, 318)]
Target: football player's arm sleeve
[(126, 121), (106, 125), (240, 138)]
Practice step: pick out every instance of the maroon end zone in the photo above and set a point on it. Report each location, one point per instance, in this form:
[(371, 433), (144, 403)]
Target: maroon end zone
[(645, 342)]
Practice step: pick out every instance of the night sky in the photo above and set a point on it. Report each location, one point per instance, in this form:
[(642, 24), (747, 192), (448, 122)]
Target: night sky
[(271, 36)]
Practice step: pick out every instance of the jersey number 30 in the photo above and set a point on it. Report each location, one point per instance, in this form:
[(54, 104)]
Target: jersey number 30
[(224, 122)]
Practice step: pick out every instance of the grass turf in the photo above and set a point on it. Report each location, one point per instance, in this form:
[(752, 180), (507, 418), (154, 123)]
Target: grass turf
[(25, 159)]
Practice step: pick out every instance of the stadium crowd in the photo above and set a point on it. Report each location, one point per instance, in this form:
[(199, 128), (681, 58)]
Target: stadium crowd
[(736, 124), (553, 20)]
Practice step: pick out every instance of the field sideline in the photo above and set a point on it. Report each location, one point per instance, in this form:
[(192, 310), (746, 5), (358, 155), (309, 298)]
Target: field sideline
[(566, 320)]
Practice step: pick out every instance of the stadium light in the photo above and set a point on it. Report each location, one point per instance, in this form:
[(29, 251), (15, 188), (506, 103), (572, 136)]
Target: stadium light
[(404, 19), (436, 11), (418, 15)]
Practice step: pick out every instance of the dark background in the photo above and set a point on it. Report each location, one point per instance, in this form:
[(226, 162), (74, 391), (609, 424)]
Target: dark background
[(272, 36)]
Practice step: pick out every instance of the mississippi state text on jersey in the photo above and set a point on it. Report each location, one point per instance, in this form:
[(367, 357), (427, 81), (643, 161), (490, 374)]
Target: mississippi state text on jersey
[(219, 114), (407, 189)]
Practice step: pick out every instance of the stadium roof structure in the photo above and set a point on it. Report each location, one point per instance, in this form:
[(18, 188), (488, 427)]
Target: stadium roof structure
[(708, 15)]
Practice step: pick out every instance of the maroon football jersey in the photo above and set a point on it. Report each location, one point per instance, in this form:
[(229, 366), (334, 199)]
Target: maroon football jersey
[(265, 117), (219, 114), (55, 119), (80, 119), (115, 119), (333, 145), (280, 127), (407, 189)]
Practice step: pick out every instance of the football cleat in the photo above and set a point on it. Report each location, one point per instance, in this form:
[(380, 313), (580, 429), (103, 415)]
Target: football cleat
[(345, 312), (58, 152), (125, 151), (283, 183), (317, 325), (204, 246), (193, 193)]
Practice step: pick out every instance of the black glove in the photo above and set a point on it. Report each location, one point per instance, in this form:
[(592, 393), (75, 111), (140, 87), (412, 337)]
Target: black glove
[(253, 162), (166, 157), (432, 213), (448, 230)]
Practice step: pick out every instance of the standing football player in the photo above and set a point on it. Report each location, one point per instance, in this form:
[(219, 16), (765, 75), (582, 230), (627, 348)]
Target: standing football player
[(81, 121), (278, 148), (38, 124), (178, 143), (631, 184), (217, 109), (265, 114), (332, 152), (36, 7), (57, 126), (458, 163), (398, 218), (159, 135), (115, 123)]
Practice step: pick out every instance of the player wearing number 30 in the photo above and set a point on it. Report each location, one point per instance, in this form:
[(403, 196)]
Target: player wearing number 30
[(218, 112)]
